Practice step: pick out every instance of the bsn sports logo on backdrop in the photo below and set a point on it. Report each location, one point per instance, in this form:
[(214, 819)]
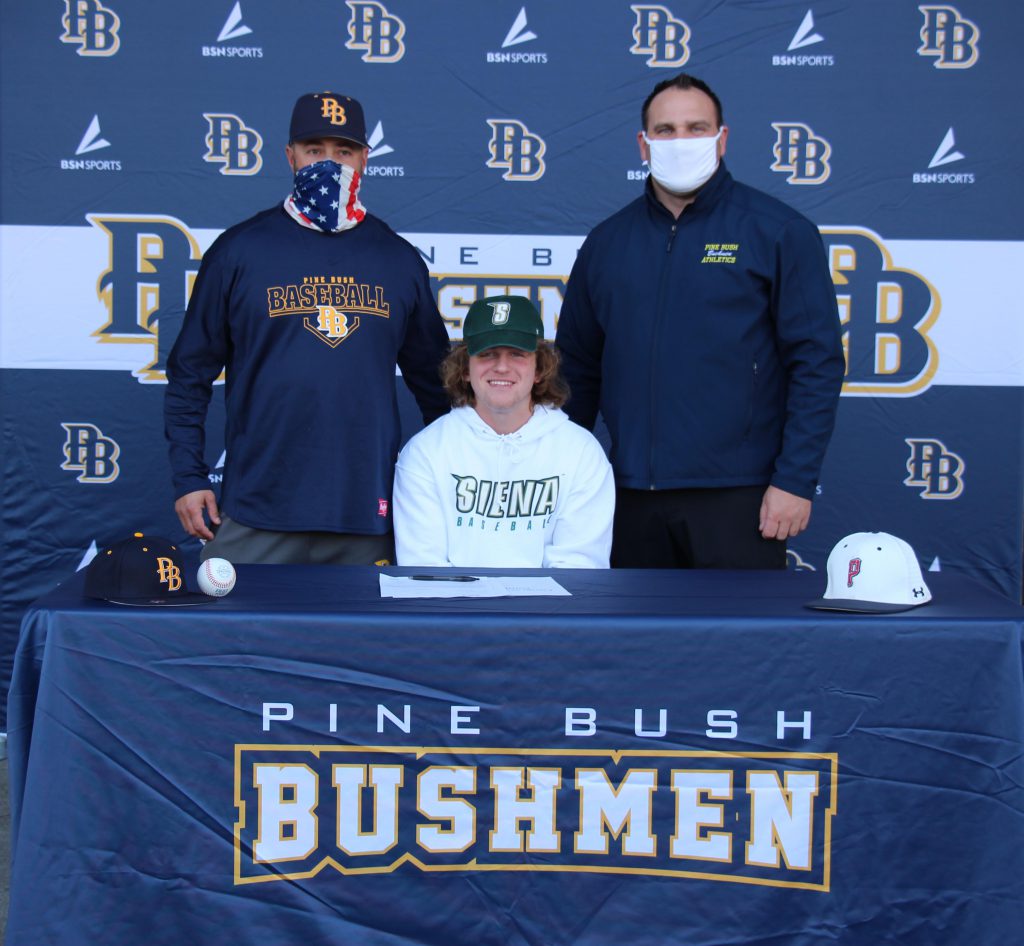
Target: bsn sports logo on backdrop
[(92, 140), (660, 36), (946, 153), (800, 153), (518, 33), (232, 144), (372, 29), (233, 28), (92, 27), (379, 148), (804, 36)]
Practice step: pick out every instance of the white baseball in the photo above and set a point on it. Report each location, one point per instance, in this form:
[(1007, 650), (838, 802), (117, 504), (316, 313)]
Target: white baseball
[(216, 577)]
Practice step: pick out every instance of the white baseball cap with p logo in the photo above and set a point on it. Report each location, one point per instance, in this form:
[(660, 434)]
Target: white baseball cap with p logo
[(873, 572)]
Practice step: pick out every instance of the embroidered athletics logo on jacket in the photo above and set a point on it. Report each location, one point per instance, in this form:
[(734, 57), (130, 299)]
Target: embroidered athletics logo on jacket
[(720, 252), (506, 499), (329, 305)]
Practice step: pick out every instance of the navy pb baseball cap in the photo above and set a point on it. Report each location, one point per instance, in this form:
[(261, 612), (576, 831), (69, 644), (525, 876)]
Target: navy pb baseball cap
[(502, 321), (142, 570), (327, 115)]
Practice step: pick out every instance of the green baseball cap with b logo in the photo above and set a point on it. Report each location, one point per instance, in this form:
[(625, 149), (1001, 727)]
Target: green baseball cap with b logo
[(502, 321)]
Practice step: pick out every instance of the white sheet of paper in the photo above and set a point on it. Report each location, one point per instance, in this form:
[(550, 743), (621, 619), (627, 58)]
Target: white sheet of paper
[(392, 586)]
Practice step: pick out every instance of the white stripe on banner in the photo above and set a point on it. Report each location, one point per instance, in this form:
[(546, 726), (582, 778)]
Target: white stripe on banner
[(52, 313)]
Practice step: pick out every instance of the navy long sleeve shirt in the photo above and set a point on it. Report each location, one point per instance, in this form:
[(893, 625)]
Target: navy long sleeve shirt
[(308, 327)]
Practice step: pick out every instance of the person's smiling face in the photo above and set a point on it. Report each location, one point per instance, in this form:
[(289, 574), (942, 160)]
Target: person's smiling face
[(502, 379)]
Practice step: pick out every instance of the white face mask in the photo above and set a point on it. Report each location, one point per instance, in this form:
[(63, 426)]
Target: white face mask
[(681, 165)]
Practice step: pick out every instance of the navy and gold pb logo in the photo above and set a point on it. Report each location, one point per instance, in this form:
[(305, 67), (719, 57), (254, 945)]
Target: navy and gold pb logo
[(332, 325), (886, 314), (91, 26), (169, 573), (659, 36), (951, 38), (375, 31), (800, 153), (333, 111), (515, 149), (933, 467), (152, 264), (91, 454), (232, 144)]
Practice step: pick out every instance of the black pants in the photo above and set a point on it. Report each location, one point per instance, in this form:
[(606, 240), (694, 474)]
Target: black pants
[(692, 528)]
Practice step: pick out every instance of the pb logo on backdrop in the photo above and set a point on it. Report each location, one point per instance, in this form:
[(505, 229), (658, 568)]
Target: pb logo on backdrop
[(886, 314), (232, 144), (934, 468), (951, 38), (91, 26), (659, 36), (800, 153), (152, 263), (515, 149), (375, 31), (90, 454)]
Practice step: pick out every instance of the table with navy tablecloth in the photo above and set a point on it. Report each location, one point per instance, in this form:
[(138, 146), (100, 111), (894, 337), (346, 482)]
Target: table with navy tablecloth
[(659, 757)]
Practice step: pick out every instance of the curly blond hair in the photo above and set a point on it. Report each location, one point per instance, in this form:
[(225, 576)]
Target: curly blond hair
[(549, 389)]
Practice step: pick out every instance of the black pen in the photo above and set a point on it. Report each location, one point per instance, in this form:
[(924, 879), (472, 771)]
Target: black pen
[(444, 578)]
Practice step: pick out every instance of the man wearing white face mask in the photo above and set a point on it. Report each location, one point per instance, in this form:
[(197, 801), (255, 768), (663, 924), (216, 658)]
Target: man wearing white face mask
[(307, 307), (701, 321)]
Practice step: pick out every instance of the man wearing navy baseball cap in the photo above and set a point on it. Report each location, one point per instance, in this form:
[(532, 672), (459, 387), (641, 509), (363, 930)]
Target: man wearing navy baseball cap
[(327, 138), (307, 308), (326, 115)]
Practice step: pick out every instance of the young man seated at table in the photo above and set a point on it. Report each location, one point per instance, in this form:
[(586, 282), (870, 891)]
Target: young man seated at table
[(505, 479)]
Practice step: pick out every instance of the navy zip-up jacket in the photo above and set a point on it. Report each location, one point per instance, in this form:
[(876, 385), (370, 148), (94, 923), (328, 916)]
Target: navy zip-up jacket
[(710, 344), (309, 327)]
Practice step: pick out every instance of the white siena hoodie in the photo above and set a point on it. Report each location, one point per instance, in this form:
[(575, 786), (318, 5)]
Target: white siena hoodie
[(542, 497)]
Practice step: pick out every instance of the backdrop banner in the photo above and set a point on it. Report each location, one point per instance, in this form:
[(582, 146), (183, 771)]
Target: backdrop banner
[(501, 133)]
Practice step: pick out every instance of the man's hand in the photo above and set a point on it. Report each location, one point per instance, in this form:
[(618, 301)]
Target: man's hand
[(190, 509), (783, 515)]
